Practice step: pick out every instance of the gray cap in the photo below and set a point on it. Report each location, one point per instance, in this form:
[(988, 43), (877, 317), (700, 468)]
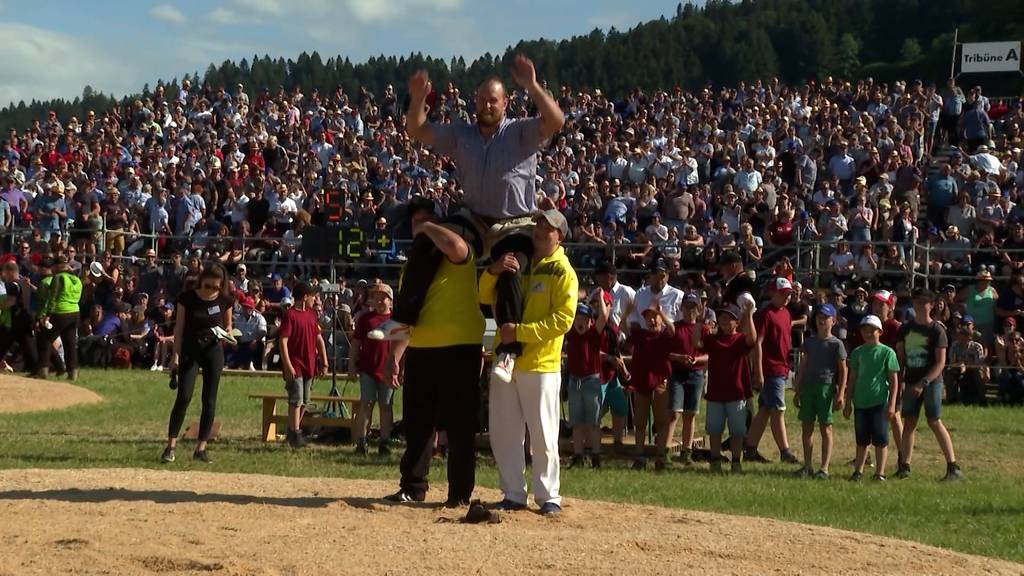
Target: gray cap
[(555, 219)]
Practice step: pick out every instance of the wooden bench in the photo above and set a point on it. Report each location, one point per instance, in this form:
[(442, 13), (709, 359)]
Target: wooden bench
[(271, 419)]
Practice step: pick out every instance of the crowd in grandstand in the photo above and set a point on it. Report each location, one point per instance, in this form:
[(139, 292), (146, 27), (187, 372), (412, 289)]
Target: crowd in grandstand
[(843, 188)]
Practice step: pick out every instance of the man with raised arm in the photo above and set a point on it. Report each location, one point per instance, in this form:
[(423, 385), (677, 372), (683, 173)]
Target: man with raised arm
[(497, 165)]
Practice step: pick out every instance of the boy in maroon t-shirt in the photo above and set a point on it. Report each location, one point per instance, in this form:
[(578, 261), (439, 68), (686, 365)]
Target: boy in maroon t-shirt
[(300, 342), (775, 338), (649, 375), (728, 378), (367, 358), (583, 346), (686, 386)]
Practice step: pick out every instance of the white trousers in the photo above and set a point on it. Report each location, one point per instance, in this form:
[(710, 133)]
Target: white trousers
[(528, 402)]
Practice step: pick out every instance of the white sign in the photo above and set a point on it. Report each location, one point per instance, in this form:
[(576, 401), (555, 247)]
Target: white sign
[(990, 57)]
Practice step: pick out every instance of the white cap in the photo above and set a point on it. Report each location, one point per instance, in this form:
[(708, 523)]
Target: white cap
[(871, 320), (780, 284)]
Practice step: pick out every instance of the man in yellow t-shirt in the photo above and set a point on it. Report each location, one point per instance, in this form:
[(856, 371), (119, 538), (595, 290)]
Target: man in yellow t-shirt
[(531, 400), (441, 369)]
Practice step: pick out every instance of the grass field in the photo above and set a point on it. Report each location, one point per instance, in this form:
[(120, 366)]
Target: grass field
[(982, 515)]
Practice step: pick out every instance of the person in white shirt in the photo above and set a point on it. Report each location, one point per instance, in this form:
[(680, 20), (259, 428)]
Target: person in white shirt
[(622, 295), (986, 163), (687, 175), (669, 298), (748, 179), (253, 327), (656, 231)]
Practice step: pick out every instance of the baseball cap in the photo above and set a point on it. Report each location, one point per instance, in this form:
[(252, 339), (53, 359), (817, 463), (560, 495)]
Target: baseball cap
[(827, 310), (731, 309), (556, 219), (287, 301), (871, 320), (949, 288), (967, 319), (691, 298), (385, 288), (780, 285), (660, 265), (122, 307), (248, 303), (883, 296), (583, 309), (275, 276)]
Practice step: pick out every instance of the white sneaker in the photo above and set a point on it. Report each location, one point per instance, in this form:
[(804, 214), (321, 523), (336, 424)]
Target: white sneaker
[(390, 331), (504, 363), (251, 367), (156, 368)]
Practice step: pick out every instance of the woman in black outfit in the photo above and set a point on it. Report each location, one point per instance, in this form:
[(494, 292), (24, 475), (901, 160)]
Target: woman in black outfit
[(196, 345)]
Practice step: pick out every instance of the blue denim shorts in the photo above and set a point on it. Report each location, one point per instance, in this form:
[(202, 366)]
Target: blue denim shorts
[(931, 399), (773, 393), (585, 399), (373, 390), (684, 394), (871, 426), (720, 413)]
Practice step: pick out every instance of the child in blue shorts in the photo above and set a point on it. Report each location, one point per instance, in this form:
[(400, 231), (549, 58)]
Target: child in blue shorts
[(871, 396)]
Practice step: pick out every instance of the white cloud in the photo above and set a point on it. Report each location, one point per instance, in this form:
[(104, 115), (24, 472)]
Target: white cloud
[(377, 10), (224, 16), (42, 64), (264, 7), (168, 13)]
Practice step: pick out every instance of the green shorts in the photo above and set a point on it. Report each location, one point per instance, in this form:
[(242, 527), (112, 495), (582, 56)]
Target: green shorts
[(816, 403)]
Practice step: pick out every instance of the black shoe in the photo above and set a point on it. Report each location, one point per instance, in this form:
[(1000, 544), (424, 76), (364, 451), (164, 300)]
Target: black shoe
[(639, 464), (903, 471), (659, 465), (201, 456), (507, 505), (550, 509), (295, 439), (383, 449), (803, 472), (752, 455), (455, 503), (856, 477), (361, 449), (577, 460), (788, 457), (953, 473), (168, 456), (686, 457), (879, 477), (595, 461), (403, 497)]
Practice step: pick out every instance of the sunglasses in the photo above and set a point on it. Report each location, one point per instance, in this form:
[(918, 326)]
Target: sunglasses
[(211, 286)]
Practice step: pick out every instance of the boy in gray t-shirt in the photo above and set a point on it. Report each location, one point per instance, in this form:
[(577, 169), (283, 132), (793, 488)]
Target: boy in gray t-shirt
[(818, 388)]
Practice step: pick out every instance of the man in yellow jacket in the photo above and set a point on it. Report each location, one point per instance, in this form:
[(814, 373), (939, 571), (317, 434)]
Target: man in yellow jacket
[(531, 399)]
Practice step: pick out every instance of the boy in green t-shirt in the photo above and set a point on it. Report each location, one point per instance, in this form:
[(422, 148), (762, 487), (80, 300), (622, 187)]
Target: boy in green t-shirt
[(873, 381), (819, 387)]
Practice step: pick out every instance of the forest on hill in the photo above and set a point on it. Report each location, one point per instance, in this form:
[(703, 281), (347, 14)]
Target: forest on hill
[(721, 43)]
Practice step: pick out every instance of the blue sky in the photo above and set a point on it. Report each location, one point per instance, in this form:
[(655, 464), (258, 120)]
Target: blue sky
[(54, 48)]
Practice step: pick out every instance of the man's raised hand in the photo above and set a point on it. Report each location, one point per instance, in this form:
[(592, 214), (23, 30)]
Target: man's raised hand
[(523, 72), (419, 85)]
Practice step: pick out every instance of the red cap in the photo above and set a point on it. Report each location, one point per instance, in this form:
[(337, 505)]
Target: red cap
[(248, 302)]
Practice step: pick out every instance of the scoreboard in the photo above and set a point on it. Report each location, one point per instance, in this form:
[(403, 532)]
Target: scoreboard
[(341, 241)]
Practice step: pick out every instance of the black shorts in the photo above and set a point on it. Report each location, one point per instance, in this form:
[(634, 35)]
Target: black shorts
[(871, 426)]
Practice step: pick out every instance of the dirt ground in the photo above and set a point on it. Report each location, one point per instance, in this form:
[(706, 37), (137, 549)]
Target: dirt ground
[(19, 394), (160, 522)]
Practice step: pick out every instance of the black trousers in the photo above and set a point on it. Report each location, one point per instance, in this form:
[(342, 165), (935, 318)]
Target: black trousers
[(211, 359), (64, 326), (21, 332), (424, 259), (442, 391)]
